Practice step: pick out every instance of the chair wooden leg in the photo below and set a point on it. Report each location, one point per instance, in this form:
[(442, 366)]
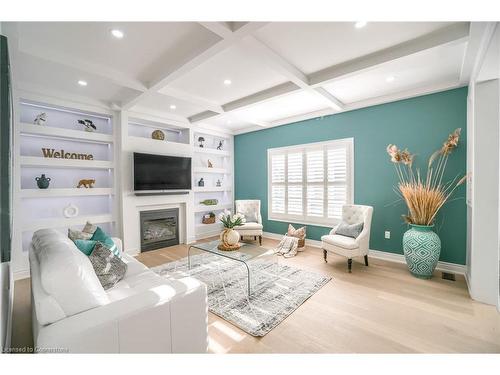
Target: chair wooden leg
[(255, 238), (324, 255), (366, 260), (260, 240), (349, 264)]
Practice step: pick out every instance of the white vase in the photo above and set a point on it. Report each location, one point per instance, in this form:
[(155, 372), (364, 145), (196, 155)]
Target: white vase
[(229, 237)]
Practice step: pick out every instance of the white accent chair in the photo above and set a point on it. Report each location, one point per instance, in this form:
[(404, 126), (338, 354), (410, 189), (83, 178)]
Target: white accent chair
[(250, 208), (347, 246)]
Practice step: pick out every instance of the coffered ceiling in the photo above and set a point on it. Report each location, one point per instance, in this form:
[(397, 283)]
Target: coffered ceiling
[(238, 76)]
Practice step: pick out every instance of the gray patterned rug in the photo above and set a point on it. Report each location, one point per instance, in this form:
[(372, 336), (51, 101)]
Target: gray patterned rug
[(277, 289)]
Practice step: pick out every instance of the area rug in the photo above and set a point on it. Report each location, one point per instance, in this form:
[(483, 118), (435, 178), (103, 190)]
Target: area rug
[(277, 289)]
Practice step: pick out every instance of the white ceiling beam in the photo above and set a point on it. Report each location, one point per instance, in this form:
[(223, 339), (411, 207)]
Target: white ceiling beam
[(222, 29), (480, 38), (456, 33), (53, 56), (186, 65), (261, 96), (281, 65)]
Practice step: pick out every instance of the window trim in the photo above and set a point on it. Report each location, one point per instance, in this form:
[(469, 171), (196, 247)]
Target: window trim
[(295, 219)]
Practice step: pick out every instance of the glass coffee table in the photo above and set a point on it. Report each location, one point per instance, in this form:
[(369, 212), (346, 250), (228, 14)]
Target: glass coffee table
[(248, 254)]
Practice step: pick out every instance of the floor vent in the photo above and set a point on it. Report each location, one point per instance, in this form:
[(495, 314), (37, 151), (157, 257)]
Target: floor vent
[(449, 276)]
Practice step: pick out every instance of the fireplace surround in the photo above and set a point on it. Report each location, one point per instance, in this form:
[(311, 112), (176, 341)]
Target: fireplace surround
[(159, 228)]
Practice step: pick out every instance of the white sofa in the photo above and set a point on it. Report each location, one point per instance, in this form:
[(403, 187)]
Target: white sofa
[(143, 313)]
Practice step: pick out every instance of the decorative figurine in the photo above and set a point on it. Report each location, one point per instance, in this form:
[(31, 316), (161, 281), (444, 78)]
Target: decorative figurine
[(201, 140), (70, 211), (88, 124), (40, 119), (218, 183), (210, 202), (86, 183), (42, 181), (210, 165), (201, 183), (158, 135), (221, 143)]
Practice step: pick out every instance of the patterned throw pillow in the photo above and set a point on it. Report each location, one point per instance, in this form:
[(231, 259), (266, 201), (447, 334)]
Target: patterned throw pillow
[(349, 230), (298, 233), (85, 234), (250, 215), (101, 236), (108, 268)]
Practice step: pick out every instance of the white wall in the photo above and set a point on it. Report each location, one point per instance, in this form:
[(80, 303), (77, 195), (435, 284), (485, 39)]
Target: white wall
[(483, 232)]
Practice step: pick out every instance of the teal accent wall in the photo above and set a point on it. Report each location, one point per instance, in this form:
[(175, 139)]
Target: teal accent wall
[(420, 124)]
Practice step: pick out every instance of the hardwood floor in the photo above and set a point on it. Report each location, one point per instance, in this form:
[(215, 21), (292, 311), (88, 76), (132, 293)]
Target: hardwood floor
[(375, 309)]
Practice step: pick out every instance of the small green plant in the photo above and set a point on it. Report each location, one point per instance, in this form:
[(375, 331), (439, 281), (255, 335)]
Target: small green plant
[(230, 221)]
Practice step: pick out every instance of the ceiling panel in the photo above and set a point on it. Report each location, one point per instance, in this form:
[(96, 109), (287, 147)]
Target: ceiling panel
[(430, 67), (160, 102), (312, 46), (37, 72), (146, 48), (296, 103), (227, 121), (246, 70)]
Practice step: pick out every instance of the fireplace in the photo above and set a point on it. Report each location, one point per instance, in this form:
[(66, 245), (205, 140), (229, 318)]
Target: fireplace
[(159, 228)]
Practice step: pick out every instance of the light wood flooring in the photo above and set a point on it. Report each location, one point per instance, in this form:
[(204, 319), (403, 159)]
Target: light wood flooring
[(376, 309)]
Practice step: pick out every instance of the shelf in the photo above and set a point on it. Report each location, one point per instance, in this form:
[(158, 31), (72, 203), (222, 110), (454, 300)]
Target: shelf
[(210, 170), (216, 225), (36, 161), (218, 207), (73, 192), (66, 222), (212, 135), (149, 145), (52, 132), (212, 151), (206, 189)]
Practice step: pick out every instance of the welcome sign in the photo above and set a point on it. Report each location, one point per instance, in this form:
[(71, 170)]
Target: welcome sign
[(61, 154)]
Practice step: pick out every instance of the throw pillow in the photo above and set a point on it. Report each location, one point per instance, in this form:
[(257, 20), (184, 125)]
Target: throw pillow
[(298, 233), (78, 235), (85, 246), (108, 268), (250, 215), (349, 230), (89, 228), (101, 236)]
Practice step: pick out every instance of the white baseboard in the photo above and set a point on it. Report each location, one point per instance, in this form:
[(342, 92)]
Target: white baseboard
[(21, 274), (392, 257)]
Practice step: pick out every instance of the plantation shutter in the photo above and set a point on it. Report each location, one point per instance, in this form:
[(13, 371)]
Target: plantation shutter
[(310, 183), (337, 190)]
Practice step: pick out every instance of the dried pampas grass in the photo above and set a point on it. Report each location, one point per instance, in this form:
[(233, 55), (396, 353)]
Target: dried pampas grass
[(424, 197)]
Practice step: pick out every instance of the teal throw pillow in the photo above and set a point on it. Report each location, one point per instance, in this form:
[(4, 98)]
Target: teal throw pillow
[(101, 236), (85, 246)]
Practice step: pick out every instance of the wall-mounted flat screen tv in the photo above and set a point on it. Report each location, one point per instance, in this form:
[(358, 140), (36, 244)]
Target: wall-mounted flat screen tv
[(159, 172)]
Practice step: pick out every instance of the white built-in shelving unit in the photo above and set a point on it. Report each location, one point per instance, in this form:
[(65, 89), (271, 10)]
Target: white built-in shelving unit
[(37, 208), (221, 170)]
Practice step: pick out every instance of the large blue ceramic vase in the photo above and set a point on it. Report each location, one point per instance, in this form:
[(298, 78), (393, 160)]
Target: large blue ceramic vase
[(421, 246)]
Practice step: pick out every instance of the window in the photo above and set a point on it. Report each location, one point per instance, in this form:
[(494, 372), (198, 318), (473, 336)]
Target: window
[(310, 183)]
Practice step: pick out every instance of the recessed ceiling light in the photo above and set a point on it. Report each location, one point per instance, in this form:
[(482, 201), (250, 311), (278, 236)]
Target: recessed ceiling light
[(118, 34), (360, 24), (227, 82), (173, 106), (82, 83), (390, 79)]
